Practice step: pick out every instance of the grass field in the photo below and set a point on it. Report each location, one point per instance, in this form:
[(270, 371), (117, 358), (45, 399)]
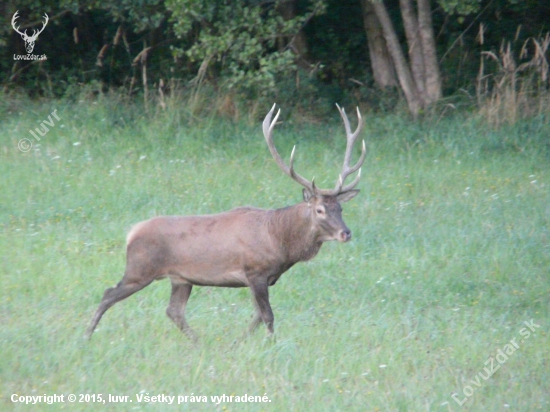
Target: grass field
[(450, 257)]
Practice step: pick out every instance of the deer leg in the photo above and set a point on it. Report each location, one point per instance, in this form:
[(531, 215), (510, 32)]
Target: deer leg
[(112, 296), (256, 320), (176, 308), (261, 297)]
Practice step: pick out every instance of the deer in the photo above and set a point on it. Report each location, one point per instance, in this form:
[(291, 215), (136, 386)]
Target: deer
[(243, 247), (29, 40)]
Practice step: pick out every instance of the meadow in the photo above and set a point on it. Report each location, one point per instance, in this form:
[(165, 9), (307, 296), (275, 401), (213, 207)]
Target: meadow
[(424, 310)]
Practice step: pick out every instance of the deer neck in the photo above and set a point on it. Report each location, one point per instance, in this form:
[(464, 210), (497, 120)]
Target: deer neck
[(293, 229)]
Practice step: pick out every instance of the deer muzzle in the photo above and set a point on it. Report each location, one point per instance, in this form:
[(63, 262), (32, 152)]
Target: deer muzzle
[(344, 235)]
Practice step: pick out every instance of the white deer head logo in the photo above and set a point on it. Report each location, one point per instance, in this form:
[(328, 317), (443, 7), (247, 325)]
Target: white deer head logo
[(29, 40)]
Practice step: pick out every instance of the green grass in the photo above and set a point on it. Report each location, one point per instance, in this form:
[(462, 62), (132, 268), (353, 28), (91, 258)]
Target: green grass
[(450, 256)]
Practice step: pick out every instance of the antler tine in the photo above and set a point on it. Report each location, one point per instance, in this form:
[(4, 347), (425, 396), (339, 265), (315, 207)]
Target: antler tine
[(359, 128), (266, 125), (350, 137), (43, 25), (340, 188), (13, 21), (352, 185), (360, 161), (345, 118), (267, 128)]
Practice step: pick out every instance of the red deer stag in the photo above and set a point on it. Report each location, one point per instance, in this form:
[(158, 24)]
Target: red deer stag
[(244, 247)]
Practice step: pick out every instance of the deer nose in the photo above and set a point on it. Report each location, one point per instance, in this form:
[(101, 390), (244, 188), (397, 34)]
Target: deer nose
[(345, 235)]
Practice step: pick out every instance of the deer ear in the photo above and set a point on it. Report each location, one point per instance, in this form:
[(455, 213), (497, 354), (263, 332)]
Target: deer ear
[(308, 195), (344, 197)]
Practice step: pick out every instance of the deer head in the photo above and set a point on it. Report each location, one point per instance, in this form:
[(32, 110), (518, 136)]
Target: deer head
[(324, 204), (29, 40)]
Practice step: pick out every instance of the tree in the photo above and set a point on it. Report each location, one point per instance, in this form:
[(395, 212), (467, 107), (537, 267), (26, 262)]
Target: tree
[(382, 64), (298, 42), (419, 76), (248, 43)]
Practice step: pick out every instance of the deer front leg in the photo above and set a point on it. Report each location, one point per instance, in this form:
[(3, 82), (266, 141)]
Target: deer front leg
[(260, 293), (257, 319), (176, 308)]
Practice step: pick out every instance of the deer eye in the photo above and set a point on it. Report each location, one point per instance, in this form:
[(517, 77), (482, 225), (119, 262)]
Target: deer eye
[(320, 211)]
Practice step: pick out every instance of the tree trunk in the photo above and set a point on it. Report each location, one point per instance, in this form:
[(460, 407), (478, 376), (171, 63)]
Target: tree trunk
[(382, 64), (416, 57), (421, 81), (431, 66), (406, 81), (287, 9)]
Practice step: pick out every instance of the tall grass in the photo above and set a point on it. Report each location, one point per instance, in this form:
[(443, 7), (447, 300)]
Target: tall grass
[(516, 85), (449, 258)]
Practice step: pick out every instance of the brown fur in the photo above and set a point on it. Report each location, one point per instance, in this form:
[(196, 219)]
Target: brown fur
[(244, 247)]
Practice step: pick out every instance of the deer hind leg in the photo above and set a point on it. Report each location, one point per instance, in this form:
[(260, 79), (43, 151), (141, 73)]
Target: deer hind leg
[(112, 296), (176, 308)]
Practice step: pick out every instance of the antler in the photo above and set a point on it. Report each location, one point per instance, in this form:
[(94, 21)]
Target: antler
[(268, 127), (13, 19), (35, 32), (346, 169)]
